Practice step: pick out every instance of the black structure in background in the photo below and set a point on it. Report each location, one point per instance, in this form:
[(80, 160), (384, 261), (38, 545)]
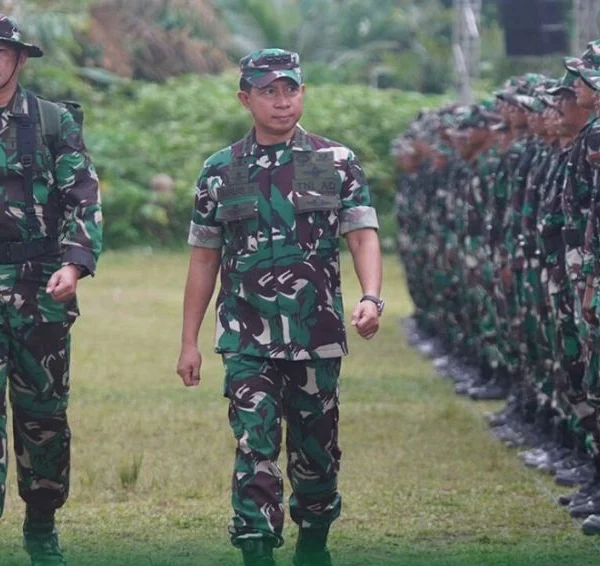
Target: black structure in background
[(534, 27)]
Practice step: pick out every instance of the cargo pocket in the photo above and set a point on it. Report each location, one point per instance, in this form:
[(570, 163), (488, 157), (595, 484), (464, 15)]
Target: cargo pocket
[(47, 308), (317, 219), (239, 217)]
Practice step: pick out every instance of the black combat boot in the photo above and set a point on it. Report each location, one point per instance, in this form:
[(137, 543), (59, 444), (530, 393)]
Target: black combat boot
[(311, 548), (40, 538), (589, 489), (257, 552), (495, 388), (591, 526)]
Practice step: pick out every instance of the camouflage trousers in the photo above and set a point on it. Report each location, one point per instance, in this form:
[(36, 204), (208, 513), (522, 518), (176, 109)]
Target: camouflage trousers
[(593, 365), (534, 313), (583, 409), (571, 362), (549, 330), (261, 392), (34, 366)]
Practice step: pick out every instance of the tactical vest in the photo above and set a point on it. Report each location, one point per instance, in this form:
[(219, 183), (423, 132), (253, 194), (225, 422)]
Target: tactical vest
[(316, 185)]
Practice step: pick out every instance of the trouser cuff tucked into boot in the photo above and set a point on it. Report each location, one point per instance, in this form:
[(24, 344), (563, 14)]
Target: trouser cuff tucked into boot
[(40, 538), (311, 547), (257, 552)]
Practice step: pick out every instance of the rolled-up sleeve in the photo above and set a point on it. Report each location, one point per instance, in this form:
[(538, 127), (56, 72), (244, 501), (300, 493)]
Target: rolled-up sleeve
[(205, 231), (356, 212)]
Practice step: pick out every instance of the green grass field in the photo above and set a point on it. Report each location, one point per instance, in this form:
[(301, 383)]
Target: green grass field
[(423, 481)]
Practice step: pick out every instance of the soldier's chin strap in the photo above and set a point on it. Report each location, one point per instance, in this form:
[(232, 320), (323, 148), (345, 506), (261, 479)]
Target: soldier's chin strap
[(3, 85)]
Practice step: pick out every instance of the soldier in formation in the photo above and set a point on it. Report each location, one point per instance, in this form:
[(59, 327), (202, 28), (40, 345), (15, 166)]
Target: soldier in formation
[(498, 207)]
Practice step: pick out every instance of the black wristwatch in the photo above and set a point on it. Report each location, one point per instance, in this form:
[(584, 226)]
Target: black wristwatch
[(378, 302)]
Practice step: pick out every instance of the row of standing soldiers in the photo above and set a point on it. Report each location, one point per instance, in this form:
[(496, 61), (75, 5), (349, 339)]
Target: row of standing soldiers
[(498, 207)]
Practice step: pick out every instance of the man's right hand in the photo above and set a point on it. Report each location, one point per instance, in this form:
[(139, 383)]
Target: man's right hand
[(188, 366)]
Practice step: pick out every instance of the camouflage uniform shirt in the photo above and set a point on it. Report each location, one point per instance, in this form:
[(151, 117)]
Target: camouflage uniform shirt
[(277, 213), (65, 188)]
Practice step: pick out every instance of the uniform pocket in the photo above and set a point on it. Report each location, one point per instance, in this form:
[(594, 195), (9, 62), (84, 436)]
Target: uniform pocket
[(239, 218), (317, 219)]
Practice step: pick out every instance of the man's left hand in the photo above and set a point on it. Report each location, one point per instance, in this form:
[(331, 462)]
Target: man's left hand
[(62, 284), (366, 319)]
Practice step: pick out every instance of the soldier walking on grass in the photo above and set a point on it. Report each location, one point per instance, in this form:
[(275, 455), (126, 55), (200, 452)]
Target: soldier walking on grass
[(269, 211), (50, 236)]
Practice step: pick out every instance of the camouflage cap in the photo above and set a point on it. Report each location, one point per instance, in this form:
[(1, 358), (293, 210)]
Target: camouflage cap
[(591, 77), (565, 83), (10, 33), (523, 84), (590, 59), (262, 67), (529, 81), (478, 117), (508, 96), (488, 104), (531, 103)]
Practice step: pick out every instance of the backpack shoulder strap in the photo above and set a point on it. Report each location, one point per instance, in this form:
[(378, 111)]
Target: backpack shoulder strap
[(50, 122), (26, 148)]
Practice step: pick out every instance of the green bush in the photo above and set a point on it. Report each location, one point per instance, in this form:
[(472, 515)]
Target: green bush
[(172, 128)]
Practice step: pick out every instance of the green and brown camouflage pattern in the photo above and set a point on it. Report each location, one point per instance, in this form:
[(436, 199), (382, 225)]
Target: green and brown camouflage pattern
[(262, 392), (34, 341), (262, 67), (66, 194), (277, 212)]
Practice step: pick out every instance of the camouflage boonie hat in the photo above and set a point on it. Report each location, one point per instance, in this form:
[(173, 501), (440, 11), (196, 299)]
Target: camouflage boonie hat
[(591, 77), (262, 67), (10, 33)]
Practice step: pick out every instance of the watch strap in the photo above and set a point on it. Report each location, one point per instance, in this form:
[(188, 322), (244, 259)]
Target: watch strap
[(378, 302)]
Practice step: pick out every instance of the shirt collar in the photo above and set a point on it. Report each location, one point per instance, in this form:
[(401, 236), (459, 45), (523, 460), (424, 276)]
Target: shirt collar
[(298, 142)]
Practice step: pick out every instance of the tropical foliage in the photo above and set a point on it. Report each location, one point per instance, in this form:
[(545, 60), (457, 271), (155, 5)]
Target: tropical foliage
[(156, 79), (403, 43), (172, 128)]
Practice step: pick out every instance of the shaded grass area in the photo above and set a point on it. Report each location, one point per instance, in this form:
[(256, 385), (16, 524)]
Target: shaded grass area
[(423, 481)]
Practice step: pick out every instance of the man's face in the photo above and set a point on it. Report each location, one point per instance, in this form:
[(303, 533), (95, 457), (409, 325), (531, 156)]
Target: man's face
[(536, 123), (572, 114), (584, 94), (517, 117), (10, 57), (276, 108), (479, 136), (551, 121)]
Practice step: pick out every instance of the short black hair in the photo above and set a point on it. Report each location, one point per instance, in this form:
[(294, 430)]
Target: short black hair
[(245, 85)]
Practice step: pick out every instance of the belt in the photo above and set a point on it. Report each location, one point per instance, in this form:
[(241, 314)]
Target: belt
[(22, 251)]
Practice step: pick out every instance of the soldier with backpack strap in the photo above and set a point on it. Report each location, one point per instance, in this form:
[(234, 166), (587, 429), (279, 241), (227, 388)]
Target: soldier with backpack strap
[(50, 236)]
